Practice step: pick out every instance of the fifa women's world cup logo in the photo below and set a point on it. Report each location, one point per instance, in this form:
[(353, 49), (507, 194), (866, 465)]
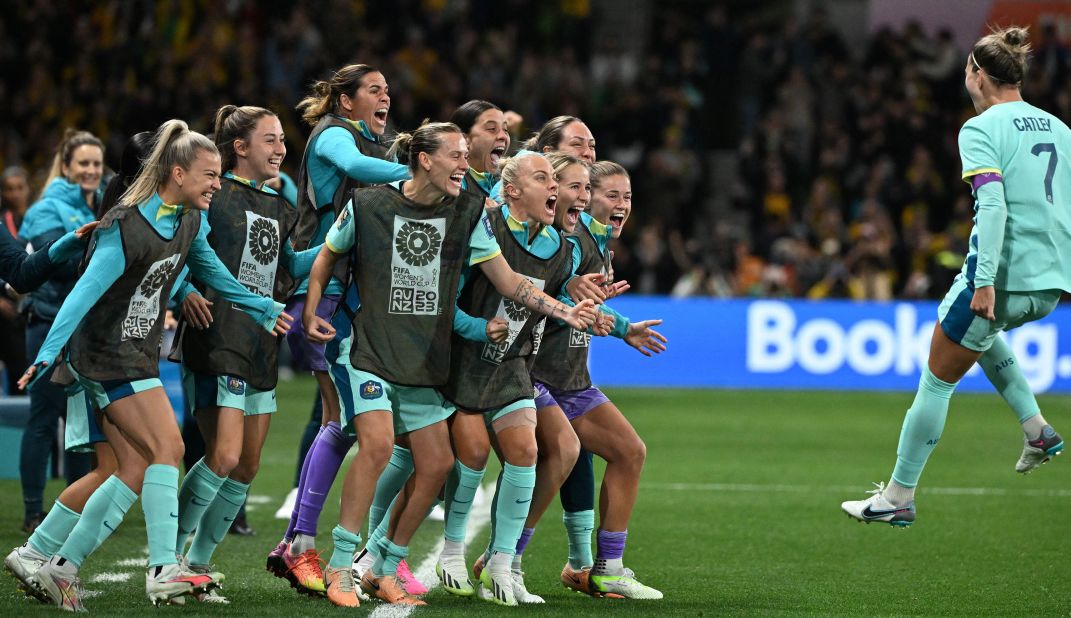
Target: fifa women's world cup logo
[(144, 308), (260, 255), (263, 241), (418, 243), (517, 315), (415, 264)]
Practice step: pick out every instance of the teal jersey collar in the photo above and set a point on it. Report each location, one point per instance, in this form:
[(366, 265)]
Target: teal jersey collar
[(250, 183)]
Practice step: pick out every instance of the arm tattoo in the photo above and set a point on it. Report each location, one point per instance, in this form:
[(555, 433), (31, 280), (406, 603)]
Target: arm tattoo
[(533, 299)]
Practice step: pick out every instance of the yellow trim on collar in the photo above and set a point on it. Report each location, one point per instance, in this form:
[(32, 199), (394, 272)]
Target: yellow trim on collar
[(167, 209)]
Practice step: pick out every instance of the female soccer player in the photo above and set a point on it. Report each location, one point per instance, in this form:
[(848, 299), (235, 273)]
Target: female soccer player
[(1016, 159), (113, 321), (85, 425), (349, 116), (490, 383), (71, 192), (402, 332), (566, 134), (486, 133), (564, 387), (230, 365)]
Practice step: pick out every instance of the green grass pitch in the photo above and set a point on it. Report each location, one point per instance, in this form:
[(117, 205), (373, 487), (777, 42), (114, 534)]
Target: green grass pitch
[(738, 515)]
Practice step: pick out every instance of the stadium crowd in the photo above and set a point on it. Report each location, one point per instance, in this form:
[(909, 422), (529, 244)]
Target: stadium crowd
[(846, 158)]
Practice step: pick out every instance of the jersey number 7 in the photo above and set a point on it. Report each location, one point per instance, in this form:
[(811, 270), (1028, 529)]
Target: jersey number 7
[(1051, 149)]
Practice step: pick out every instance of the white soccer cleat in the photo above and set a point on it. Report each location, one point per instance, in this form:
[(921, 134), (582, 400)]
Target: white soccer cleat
[(1036, 452), (496, 586), (211, 596), (520, 592), (622, 586), (23, 562), (454, 575), (287, 508), (58, 586), (165, 583), (877, 508)]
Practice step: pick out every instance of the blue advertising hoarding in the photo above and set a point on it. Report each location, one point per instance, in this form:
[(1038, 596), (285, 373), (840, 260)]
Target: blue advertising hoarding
[(799, 344)]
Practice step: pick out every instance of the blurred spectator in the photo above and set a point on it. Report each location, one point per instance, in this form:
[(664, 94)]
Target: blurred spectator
[(819, 129)]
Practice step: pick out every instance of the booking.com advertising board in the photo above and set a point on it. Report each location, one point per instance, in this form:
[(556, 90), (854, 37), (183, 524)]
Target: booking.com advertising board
[(798, 344)]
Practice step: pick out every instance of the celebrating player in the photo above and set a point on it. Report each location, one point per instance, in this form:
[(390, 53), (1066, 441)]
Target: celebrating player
[(1015, 157)]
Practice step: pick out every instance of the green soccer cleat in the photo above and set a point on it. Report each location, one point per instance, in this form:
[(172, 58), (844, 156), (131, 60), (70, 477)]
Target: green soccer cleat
[(624, 586)]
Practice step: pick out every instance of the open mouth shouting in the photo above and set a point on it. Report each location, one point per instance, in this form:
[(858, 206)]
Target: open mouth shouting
[(496, 155), (552, 202), (617, 220), (380, 115)]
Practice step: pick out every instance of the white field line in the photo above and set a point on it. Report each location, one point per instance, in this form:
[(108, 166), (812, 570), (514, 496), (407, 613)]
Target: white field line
[(131, 562), (804, 489), (258, 499), (425, 572), (110, 578)]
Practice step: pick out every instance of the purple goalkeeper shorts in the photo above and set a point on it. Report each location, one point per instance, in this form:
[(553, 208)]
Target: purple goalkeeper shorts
[(308, 356), (574, 403)]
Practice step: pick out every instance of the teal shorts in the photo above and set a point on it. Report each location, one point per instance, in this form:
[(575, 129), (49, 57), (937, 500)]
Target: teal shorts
[(209, 391), (104, 394), (1012, 309), (413, 407), (81, 431), (490, 416)]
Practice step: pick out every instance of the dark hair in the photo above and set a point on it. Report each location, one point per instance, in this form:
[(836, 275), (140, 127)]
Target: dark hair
[(551, 134), (1002, 54), (465, 116), (408, 146), (136, 150), (325, 94), (233, 122)]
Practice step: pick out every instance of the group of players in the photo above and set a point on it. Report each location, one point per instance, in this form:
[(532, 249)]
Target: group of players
[(473, 335), (443, 295)]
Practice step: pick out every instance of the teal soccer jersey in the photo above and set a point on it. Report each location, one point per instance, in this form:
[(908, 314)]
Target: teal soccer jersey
[(1028, 149)]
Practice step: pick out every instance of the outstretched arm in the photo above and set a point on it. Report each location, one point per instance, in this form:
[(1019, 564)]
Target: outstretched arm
[(104, 269), (513, 286)]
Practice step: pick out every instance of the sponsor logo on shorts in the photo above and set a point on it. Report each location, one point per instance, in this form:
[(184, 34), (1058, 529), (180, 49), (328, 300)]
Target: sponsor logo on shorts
[(371, 390), (236, 386)]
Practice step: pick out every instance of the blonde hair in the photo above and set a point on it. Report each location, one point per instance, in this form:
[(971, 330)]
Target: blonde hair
[(559, 161), (1002, 54), (509, 169), (426, 138), (173, 144), (604, 169), (325, 94), (72, 140)]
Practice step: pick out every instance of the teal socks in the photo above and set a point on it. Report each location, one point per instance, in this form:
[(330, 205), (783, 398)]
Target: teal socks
[(461, 489), (54, 530), (159, 500), (199, 490), (390, 555), (922, 428), (514, 499), (1003, 371), (346, 543), (394, 476), (103, 513), (216, 521), (578, 527)]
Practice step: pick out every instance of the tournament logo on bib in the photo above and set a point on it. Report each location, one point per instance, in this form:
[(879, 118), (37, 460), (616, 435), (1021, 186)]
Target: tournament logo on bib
[(144, 307), (415, 266), (537, 334), (579, 338), (260, 256), (516, 315)]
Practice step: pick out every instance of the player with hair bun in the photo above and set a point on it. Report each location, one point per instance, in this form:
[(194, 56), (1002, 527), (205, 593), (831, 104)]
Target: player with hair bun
[(1017, 160)]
